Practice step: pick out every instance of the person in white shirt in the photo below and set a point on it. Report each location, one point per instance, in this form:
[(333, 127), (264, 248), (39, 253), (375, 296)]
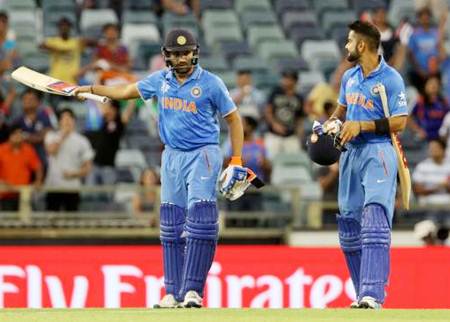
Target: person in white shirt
[(70, 160)]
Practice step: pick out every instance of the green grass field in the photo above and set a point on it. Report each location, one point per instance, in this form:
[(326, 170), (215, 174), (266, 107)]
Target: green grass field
[(219, 315)]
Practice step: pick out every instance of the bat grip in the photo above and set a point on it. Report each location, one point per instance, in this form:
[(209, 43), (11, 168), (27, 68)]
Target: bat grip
[(98, 98)]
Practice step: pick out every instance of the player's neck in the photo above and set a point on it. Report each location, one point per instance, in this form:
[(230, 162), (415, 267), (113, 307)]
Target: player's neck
[(369, 63), (181, 78)]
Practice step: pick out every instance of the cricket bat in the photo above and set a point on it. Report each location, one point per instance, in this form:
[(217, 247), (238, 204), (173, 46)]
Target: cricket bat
[(50, 85), (402, 163)]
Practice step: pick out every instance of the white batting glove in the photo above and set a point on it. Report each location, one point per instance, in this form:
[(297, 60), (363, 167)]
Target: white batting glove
[(231, 178), (332, 126)]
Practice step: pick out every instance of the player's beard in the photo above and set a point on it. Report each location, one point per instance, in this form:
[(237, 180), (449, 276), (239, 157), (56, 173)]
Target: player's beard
[(182, 69), (353, 56)]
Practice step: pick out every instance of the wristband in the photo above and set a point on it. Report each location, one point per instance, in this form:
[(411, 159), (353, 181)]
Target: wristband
[(382, 126), (236, 161)]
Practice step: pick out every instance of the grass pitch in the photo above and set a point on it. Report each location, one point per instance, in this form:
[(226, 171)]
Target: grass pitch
[(219, 315)]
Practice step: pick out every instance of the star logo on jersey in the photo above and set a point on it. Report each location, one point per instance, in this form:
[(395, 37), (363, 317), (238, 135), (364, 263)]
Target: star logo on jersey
[(165, 87), (402, 99), (196, 91)]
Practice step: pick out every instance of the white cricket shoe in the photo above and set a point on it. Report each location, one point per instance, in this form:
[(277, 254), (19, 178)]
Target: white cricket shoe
[(368, 302), (167, 302), (354, 305), (191, 299)]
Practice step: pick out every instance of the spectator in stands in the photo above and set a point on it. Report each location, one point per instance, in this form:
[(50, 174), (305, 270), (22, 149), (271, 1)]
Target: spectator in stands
[(428, 114), (105, 142), (247, 98), (328, 181), (111, 58), (70, 160), (431, 177), (8, 50), (145, 200), (7, 95), (65, 52), (178, 7), (284, 112), (423, 49), (19, 165), (35, 121), (437, 7)]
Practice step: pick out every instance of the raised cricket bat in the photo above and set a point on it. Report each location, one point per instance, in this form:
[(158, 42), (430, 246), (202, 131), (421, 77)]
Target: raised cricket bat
[(50, 85), (402, 163)]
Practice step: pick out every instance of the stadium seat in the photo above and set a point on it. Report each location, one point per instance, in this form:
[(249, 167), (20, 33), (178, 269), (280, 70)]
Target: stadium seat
[(340, 35), (400, 10), (20, 5), (130, 158), (266, 81), (233, 49), (37, 61), (215, 18), (133, 34), (216, 63), (92, 19), (170, 21), (257, 34), (244, 5), (228, 77), (316, 52), (291, 63), (139, 17), (26, 48), (282, 6), (22, 17), (321, 5), (299, 18), (25, 32), (257, 18), (332, 19), (299, 34), (215, 35), (215, 4), (144, 5), (291, 169), (269, 50), (252, 63)]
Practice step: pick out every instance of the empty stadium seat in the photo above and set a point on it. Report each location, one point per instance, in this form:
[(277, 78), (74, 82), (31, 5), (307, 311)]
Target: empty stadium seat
[(215, 4), (331, 19), (282, 6), (245, 5), (20, 5), (170, 21), (299, 18), (138, 4), (291, 169), (139, 17), (130, 158), (361, 6), (257, 34), (214, 63), (228, 77), (252, 63), (133, 34), (22, 17), (317, 52), (215, 35), (291, 63), (321, 5), (270, 50), (95, 19), (301, 33), (232, 49), (214, 18), (257, 18), (308, 79)]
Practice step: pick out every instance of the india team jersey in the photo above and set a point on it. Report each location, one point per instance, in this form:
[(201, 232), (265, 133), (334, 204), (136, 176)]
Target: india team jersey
[(188, 112), (363, 104)]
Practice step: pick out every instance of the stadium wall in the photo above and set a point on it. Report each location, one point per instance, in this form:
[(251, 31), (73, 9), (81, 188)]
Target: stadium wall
[(241, 276)]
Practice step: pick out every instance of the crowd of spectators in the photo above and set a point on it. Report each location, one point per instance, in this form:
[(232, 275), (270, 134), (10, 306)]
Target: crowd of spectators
[(276, 120)]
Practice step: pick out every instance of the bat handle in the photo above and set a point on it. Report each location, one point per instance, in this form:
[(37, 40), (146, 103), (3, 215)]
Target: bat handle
[(98, 98)]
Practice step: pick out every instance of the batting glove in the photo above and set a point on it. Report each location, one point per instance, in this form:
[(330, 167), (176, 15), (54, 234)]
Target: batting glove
[(232, 177)]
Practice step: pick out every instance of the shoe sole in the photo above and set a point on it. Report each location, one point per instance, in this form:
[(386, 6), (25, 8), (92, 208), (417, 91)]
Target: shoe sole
[(192, 304)]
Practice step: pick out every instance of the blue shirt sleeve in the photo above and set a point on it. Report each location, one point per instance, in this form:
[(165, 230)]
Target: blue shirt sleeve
[(341, 99), (397, 95), (221, 98), (148, 86)]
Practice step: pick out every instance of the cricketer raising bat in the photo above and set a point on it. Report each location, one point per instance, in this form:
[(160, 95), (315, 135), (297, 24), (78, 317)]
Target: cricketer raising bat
[(402, 164), (50, 85)]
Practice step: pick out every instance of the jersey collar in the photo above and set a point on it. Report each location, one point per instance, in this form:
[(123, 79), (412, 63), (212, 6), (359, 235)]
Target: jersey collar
[(377, 70)]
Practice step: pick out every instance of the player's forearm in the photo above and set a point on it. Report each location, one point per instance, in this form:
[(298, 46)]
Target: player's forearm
[(396, 124), (236, 133), (339, 113), (115, 92)]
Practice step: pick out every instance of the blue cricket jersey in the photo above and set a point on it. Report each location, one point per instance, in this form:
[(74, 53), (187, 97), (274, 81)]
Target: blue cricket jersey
[(363, 104), (188, 112)]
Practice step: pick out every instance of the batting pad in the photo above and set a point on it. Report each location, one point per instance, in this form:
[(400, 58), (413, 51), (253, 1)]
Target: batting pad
[(202, 231), (171, 226), (376, 240), (350, 240)]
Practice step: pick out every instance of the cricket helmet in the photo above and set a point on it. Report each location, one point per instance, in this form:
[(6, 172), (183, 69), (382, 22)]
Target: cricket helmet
[(177, 40), (323, 149)]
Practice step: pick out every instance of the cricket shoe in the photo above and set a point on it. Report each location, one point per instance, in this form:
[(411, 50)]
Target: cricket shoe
[(191, 299), (368, 302), (167, 302), (354, 305)]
